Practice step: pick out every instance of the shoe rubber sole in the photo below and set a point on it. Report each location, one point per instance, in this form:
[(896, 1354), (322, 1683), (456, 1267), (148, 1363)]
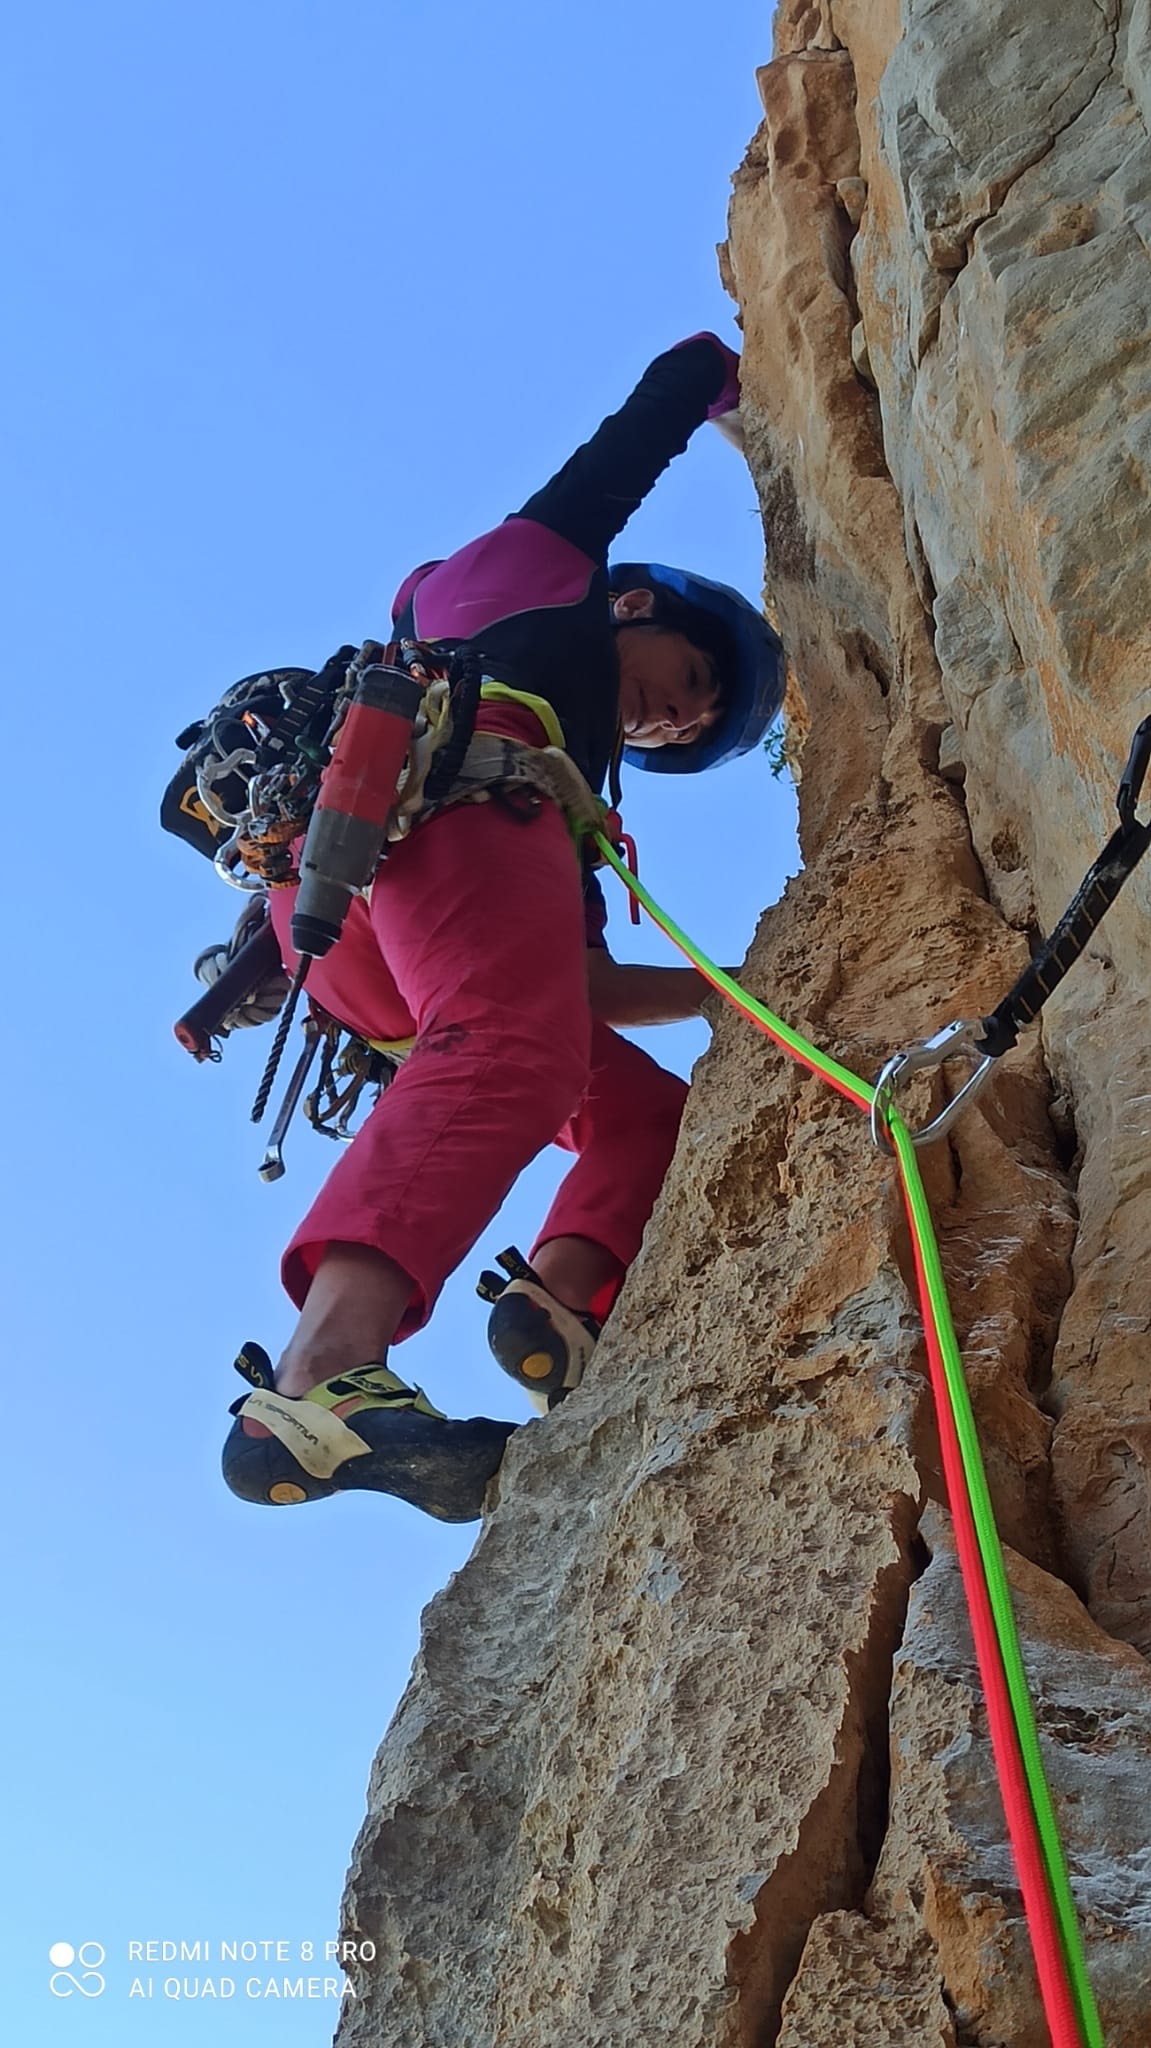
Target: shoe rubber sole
[(441, 1466), (540, 1343)]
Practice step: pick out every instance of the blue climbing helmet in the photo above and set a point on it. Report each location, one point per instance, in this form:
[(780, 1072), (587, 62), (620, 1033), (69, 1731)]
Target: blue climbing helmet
[(747, 652)]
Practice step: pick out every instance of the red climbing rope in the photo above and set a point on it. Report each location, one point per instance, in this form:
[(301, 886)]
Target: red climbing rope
[(1050, 1963), (1065, 1989)]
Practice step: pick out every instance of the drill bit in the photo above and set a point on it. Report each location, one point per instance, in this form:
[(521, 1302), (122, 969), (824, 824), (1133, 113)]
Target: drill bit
[(280, 1040), (272, 1165)]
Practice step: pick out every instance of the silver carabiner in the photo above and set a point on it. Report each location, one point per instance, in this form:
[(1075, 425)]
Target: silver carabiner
[(227, 858), (954, 1040)]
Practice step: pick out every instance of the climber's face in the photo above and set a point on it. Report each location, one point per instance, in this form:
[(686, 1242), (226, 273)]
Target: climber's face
[(668, 692)]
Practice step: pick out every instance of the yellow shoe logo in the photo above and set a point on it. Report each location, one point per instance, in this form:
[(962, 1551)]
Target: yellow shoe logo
[(374, 1381)]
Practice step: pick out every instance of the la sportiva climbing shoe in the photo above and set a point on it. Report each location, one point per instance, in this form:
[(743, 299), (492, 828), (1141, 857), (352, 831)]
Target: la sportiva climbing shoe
[(363, 1429), (542, 1344)]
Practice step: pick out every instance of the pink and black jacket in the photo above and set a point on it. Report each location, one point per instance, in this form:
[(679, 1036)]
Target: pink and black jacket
[(531, 596)]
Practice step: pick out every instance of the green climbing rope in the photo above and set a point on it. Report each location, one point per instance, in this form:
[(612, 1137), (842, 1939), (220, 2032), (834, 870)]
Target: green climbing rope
[(936, 1308), (999, 1594)]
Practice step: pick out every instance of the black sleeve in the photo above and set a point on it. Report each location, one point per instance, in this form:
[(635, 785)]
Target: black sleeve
[(595, 493)]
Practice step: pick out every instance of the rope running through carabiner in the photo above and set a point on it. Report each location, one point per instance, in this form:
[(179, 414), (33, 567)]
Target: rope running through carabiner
[(1068, 2000)]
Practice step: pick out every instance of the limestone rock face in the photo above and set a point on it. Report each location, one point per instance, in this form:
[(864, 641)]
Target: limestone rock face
[(694, 1751)]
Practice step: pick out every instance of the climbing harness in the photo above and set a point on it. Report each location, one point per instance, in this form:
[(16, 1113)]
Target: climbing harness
[(986, 1039), (266, 767), (343, 845), (1065, 1988), (251, 776), (495, 767), (351, 820)]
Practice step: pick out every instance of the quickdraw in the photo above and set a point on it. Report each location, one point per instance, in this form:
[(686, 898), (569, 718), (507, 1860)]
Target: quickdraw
[(986, 1039), (348, 1066)]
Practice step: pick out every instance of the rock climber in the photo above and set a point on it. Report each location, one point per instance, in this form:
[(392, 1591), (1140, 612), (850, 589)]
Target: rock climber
[(482, 941)]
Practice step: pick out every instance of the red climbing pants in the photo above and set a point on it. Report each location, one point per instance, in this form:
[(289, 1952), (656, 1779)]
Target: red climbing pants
[(474, 940)]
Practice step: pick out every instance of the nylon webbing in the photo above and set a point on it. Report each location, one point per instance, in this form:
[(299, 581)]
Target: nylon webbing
[(1068, 2000)]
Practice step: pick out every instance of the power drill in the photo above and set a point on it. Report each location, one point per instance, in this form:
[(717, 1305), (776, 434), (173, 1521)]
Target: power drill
[(348, 825), (345, 835)]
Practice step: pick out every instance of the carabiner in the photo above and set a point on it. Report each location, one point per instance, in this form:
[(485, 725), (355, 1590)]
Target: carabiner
[(955, 1039)]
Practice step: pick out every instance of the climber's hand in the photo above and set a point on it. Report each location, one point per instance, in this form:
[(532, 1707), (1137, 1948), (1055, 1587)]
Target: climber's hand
[(622, 994)]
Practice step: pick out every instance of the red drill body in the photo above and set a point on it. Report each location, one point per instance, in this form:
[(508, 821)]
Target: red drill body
[(345, 836)]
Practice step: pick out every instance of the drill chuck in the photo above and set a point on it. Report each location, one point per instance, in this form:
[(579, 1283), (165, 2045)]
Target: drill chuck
[(346, 834)]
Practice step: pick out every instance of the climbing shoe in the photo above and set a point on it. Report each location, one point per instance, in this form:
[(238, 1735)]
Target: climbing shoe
[(363, 1429), (542, 1344)]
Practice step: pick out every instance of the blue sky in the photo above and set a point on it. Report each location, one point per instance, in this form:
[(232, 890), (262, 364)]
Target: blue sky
[(300, 296)]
